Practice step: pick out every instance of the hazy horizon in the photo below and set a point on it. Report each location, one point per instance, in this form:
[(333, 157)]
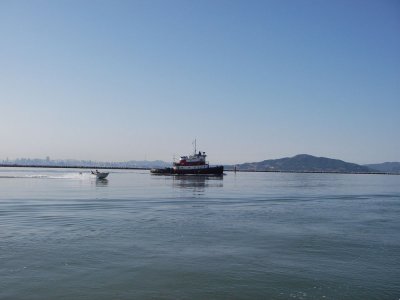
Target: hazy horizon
[(140, 80), (176, 157)]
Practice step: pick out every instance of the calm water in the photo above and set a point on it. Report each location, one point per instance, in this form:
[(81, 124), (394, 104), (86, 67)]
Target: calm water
[(64, 235)]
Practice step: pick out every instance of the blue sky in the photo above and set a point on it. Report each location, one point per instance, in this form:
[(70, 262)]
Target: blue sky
[(251, 80)]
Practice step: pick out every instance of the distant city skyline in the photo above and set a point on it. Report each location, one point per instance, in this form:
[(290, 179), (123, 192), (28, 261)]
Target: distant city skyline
[(251, 81)]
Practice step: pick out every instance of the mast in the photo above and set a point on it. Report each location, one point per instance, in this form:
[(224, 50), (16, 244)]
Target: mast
[(195, 149)]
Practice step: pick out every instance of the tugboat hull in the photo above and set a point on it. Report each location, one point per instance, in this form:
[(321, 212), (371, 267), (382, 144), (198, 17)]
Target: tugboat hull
[(217, 170)]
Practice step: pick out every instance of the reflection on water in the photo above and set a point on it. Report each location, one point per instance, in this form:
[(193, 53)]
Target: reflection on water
[(101, 182), (197, 183)]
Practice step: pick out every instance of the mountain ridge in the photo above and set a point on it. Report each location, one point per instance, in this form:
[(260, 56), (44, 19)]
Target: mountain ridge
[(303, 163), (390, 167)]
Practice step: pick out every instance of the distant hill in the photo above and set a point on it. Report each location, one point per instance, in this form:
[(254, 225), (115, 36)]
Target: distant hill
[(389, 167), (303, 163)]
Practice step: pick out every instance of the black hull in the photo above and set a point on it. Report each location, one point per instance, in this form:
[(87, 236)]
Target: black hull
[(218, 170)]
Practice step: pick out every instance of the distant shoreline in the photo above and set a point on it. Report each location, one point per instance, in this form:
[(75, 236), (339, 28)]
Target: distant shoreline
[(315, 172), (229, 170), (70, 167)]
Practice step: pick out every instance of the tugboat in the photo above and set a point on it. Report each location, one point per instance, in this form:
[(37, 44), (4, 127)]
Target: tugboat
[(195, 164)]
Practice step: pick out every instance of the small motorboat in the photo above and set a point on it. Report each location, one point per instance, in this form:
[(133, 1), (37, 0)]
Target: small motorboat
[(100, 175)]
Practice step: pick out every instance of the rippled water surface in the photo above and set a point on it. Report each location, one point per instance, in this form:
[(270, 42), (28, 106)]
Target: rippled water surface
[(66, 235)]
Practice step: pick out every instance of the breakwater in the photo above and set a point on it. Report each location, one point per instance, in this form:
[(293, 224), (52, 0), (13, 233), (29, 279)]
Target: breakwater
[(72, 167)]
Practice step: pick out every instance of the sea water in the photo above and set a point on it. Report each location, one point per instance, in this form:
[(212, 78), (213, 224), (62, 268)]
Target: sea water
[(66, 235)]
